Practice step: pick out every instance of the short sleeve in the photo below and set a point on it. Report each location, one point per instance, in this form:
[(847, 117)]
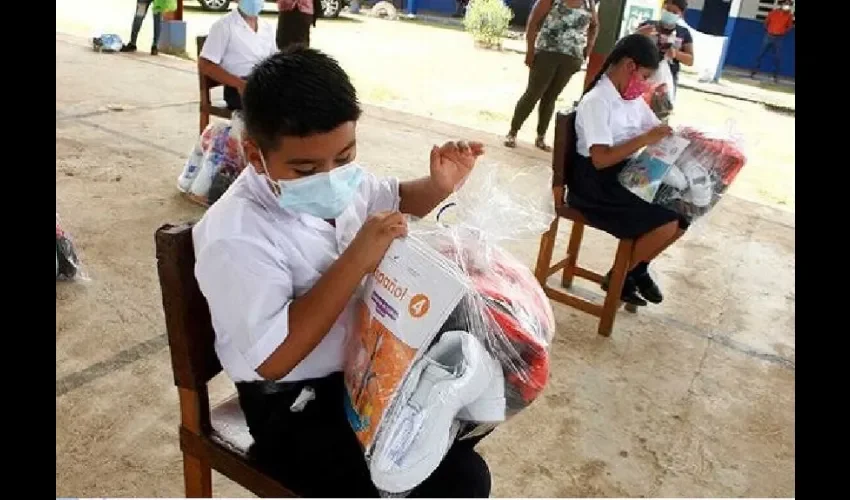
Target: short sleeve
[(687, 38), (249, 291), (381, 193), (216, 42), (593, 123)]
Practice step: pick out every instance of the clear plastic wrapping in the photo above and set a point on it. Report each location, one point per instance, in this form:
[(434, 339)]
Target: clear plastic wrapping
[(68, 265), (661, 93), (107, 42), (452, 333), (687, 172), (214, 163)]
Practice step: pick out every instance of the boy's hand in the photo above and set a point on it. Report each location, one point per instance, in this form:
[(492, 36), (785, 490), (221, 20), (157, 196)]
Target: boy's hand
[(647, 29), (452, 163), (374, 238)]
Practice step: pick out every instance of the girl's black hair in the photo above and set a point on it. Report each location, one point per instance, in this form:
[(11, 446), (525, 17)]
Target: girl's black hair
[(640, 48)]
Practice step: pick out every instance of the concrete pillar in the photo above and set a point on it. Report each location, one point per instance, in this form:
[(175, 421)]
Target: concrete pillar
[(734, 13), (610, 20)]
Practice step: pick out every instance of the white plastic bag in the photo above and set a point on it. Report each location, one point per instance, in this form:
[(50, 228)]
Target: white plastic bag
[(664, 76)]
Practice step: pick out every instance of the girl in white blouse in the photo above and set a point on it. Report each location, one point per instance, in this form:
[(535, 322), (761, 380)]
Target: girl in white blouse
[(613, 123)]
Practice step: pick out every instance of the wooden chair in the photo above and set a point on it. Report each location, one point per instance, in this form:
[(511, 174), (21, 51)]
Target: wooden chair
[(562, 162), (207, 107), (210, 438)]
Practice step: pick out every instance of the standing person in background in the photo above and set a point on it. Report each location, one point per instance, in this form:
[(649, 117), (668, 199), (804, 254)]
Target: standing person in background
[(560, 34), (294, 19), (142, 7), (460, 8), (778, 23), (675, 42), (237, 42)]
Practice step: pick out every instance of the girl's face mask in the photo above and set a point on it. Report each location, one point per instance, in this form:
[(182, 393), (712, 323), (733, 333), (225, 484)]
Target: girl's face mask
[(636, 87), (324, 195)]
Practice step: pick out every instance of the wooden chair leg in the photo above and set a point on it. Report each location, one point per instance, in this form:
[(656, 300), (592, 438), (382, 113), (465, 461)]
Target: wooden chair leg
[(615, 288), (576, 234), (197, 476), (544, 255), (205, 120)]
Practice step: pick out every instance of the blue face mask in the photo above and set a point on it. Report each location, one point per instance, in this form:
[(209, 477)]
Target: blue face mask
[(324, 195), (251, 7), (668, 18)]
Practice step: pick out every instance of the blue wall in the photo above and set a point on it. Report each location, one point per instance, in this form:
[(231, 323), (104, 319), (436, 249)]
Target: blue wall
[(746, 43), (439, 6), (692, 17)]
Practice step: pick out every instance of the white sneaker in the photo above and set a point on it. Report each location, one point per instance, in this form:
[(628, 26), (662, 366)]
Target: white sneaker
[(491, 405), (421, 427), (701, 187), (675, 178)]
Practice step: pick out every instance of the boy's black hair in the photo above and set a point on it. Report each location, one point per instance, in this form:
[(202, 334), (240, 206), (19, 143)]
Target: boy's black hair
[(297, 92), (640, 48), (682, 4)]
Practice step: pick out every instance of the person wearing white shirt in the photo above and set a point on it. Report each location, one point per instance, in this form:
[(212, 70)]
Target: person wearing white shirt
[(613, 123), (236, 43), (280, 258)]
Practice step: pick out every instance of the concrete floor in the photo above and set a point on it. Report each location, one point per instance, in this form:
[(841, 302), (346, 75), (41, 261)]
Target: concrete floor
[(694, 397)]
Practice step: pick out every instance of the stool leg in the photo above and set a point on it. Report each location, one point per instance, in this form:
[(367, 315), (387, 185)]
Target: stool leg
[(576, 234), (197, 476), (544, 255), (615, 288)]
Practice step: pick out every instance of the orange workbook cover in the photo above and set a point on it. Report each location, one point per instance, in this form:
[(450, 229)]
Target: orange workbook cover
[(403, 305)]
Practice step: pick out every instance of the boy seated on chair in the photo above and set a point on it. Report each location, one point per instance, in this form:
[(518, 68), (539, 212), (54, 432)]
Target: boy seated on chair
[(280, 257), (237, 42)]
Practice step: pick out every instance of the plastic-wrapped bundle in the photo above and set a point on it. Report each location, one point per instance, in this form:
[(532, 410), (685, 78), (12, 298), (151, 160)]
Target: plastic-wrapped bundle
[(67, 263), (661, 92), (108, 42), (214, 163), (452, 335), (687, 172)]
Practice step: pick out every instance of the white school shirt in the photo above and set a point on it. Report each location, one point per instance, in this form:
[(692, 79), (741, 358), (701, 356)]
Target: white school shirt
[(253, 258), (604, 118), (237, 48)]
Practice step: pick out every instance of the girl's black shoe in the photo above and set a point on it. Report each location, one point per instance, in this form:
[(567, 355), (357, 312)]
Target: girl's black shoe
[(630, 291), (646, 286)]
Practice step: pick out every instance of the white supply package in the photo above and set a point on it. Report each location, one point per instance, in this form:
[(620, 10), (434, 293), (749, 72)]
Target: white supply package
[(451, 338), (687, 172), (647, 171)]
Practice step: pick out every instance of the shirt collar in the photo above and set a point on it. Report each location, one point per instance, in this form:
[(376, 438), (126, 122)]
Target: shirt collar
[(609, 90)]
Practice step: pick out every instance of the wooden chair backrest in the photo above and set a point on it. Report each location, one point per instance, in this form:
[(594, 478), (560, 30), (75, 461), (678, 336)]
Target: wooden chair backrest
[(563, 154), (187, 315), (206, 83)]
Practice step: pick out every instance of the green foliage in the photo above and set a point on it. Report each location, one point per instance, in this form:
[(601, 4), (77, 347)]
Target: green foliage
[(487, 21)]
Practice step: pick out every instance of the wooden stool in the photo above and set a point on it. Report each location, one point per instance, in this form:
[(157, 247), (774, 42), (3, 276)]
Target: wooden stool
[(210, 438), (562, 164)]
